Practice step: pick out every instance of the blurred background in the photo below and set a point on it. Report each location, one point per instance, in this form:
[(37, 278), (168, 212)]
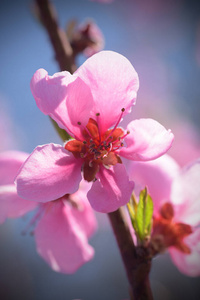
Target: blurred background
[(162, 41)]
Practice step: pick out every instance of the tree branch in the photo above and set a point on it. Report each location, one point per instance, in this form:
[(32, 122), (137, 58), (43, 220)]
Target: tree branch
[(58, 38), (136, 260)]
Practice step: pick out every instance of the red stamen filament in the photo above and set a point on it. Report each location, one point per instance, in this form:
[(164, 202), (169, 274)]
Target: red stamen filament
[(85, 128), (98, 114), (120, 117)]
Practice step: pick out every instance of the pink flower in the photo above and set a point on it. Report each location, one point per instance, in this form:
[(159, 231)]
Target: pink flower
[(11, 205), (63, 226), (86, 104), (176, 197), (187, 137)]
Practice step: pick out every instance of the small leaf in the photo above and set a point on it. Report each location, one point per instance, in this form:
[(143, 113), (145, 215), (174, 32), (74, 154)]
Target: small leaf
[(61, 132), (132, 208), (144, 215)]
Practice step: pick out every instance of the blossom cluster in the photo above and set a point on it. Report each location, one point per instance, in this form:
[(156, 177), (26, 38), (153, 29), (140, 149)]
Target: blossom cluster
[(64, 183), (176, 199)]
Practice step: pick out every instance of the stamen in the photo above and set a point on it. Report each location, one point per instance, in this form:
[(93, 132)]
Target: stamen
[(110, 145), (97, 115), (84, 127), (128, 132), (122, 111)]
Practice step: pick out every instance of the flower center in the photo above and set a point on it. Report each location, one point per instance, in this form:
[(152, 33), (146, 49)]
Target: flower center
[(167, 233), (97, 148)]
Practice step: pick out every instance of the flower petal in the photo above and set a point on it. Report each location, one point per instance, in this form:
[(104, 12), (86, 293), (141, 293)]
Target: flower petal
[(112, 189), (147, 140), (112, 79), (157, 175), (84, 215), (64, 97), (11, 205), (10, 162), (186, 194), (61, 241), (50, 93), (79, 104), (188, 264), (49, 173)]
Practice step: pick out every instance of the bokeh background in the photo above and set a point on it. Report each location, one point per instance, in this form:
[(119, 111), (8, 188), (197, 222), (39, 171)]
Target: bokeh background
[(162, 41)]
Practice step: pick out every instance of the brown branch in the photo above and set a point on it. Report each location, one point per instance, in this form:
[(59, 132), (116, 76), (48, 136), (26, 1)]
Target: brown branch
[(136, 260), (58, 38)]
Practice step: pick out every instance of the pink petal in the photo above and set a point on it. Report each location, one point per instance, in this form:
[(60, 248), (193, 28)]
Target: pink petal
[(188, 264), (186, 194), (49, 173), (113, 82), (50, 93), (79, 105), (156, 175), (61, 241), (112, 189), (84, 215), (11, 205), (64, 97), (147, 140), (10, 162)]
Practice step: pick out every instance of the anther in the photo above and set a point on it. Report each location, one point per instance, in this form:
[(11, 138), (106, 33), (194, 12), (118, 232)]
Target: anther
[(97, 114), (79, 123), (123, 109), (128, 131), (84, 142), (81, 155)]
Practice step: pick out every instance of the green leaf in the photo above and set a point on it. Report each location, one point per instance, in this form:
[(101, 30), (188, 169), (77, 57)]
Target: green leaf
[(61, 132), (132, 208), (144, 215)]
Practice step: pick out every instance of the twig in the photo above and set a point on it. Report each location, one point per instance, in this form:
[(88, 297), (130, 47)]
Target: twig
[(58, 38), (136, 260)]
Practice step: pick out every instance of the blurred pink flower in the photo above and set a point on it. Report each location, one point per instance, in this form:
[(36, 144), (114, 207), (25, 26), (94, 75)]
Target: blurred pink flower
[(186, 146), (176, 197), (86, 104), (11, 205), (63, 226), (86, 38)]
